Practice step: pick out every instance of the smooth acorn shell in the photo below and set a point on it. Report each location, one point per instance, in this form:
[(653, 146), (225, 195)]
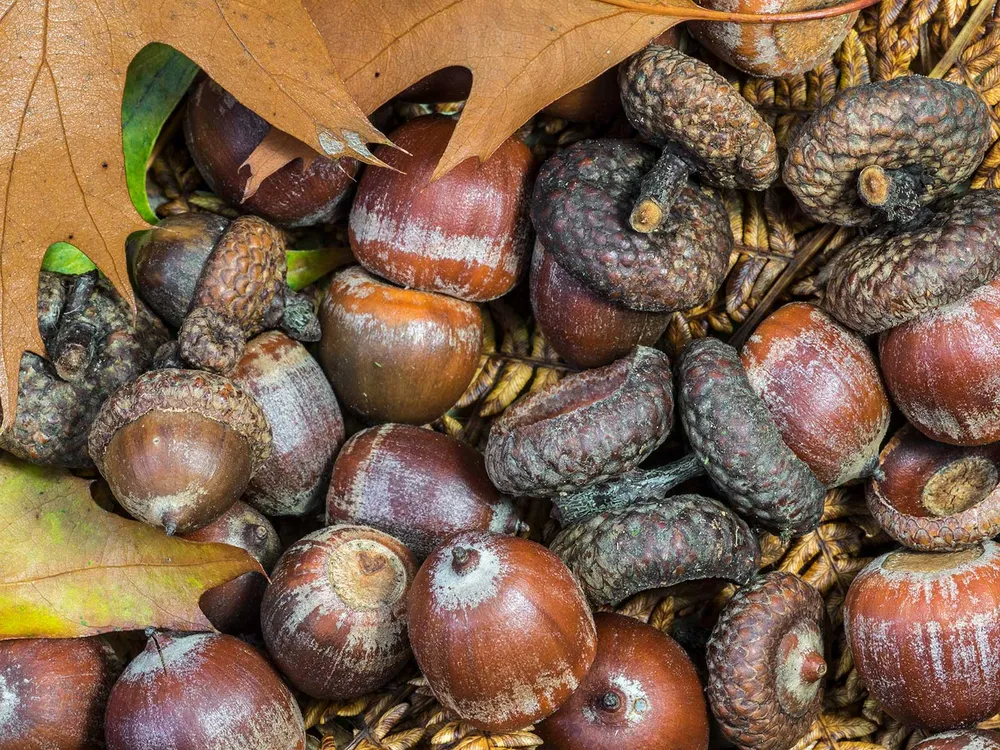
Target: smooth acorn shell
[(177, 471), (307, 428), (234, 607), (204, 691), (334, 615), (584, 328), (451, 84), (642, 692), (943, 369), (963, 739), (380, 342), (821, 385), (465, 234), (597, 100), (418, 485), (221, 134), (924, 629), (772, 50), (500, 629), (53, 692)]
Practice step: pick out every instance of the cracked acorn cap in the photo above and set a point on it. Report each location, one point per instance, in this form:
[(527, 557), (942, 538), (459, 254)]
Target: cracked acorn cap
[(650, 545), (766, 663), (888, 278), (732, 431), (178, 447), (886, 150), (580, 210), (94, 346), (703, 124)]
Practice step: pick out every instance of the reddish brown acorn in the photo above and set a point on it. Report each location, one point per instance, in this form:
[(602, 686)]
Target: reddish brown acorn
[(206, 691), (307, 428), (584, 328), (924, 629), (234, 607), (418, 485), (943, 369), (821, 385), (642, 692), (221, 134), (500, 629), (379, 341), (964, 739), (466, 234), (53, 693), (334, 615)]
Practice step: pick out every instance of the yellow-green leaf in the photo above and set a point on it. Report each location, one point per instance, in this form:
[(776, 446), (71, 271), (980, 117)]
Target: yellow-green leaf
[(69, 568), (62, 257)]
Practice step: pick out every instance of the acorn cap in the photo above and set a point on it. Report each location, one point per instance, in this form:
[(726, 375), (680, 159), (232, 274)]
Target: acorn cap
[(924, 135), (766, 663), (935, 497), (188, 391), (885, 279), (670, 97), (586, 428), (651, 545), (736, 437), (580, 209)]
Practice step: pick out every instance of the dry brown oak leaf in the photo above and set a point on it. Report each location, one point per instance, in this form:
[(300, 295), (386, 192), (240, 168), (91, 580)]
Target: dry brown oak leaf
[(69, 568), (62, 73)]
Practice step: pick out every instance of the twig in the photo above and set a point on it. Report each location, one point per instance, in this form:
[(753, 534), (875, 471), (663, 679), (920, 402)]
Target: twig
[(951, 55)]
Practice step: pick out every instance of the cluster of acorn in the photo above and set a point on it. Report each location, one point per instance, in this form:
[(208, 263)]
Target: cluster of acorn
[(207, 432)]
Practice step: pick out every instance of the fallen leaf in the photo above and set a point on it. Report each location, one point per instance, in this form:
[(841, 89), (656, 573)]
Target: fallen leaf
[(271, 154), (307, 266), (68, 568), (523, 54), (62, 73), (62, 257)]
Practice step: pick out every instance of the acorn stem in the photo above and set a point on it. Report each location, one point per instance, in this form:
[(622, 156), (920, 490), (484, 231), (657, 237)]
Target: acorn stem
[(813, 667), (895, 191), (627, 489), (610, 701), (76, 339), (658, 191), (463, 559)]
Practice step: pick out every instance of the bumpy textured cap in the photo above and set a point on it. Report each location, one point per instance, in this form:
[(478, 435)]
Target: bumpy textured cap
[(206, 394), (936, 130), (672, 98), (765, 663), (732, 431), (587, 427), (655, 544), (580, 209), (885, 279)]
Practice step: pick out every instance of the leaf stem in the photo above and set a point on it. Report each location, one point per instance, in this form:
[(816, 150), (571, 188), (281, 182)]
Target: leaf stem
[(695, 13)]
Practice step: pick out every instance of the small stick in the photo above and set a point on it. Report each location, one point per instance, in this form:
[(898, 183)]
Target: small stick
[(658, 191)]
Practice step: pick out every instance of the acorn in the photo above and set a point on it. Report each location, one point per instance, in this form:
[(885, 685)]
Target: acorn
[(500, 630), (380, 342), (642, 691), (53, 692), (451, 84), (220, 283), (924, 630), (203, 690), (820, 383), (766, 663), (465, 234), (933, 496), (586, 329), (418, 485), (307, 428), (221, 134), (963, 739), (234, 607), (178, 447), (334, 614)]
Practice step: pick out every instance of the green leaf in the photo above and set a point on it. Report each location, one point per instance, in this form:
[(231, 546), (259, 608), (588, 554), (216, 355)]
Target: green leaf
[(62, 257), (157, 80), (306, 266), (69, 568)]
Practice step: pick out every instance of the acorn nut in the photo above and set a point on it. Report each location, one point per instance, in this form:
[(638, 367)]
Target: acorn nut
[(500, 629), (585, 428), (703, 125), (919, 138), (963, 739), (580, 209), (178, 447), (766, 663)]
